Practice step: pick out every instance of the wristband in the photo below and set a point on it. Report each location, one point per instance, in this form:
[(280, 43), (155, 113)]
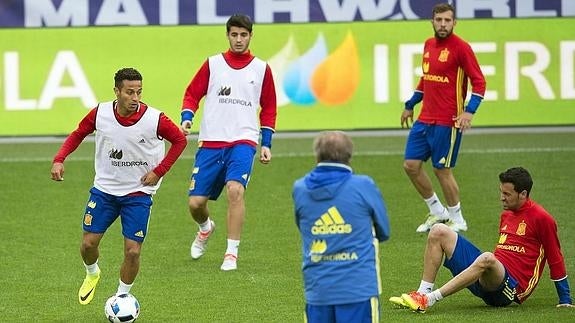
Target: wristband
[(562, 287), (415, 99), (187, 115), (266, 137), (473, 103)]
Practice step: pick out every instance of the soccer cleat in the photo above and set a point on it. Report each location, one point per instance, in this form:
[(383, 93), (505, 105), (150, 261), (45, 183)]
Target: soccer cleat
[(429, 222), (200, 243), (457, 225), (230, 262), (398, 301), (415, 301), (88, 288)]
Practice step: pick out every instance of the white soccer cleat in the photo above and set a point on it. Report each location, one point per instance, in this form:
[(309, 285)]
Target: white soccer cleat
[(457, 226), (230, 262), (429, 222), (200, 243)]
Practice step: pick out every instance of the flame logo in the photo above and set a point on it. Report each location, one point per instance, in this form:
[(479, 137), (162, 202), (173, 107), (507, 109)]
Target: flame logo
[(316, 76), (318, 247)]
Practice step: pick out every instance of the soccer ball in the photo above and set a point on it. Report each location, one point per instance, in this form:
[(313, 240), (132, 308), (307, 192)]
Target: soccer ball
[(122, 308)]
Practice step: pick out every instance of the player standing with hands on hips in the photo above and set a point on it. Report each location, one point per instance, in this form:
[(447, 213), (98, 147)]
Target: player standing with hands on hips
[(342, 218), (235, 85), (448, 63), (130, 162)]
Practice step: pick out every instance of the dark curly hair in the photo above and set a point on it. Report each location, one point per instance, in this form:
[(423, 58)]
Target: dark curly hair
[(129, 74)]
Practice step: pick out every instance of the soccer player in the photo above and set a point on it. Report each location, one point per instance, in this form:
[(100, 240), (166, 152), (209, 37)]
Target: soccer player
[(235, 85), (527, 240), (130, 161), (448, 63), (342, 218)]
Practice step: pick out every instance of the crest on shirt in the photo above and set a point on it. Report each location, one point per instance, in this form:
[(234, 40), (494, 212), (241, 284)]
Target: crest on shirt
[(521, 228), (443, 55)]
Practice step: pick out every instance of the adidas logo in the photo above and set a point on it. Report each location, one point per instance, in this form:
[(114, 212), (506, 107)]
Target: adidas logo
[(139, 234), (92, 204), (331, 222), (142, 141)]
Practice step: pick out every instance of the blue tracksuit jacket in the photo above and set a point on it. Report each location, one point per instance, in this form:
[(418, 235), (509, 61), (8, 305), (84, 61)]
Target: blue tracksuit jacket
[(342, 218)]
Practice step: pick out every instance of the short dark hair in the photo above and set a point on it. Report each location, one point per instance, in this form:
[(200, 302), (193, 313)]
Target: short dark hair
[(333, 146), (129, 74), (240, 20), (519, 177), (442, 7)]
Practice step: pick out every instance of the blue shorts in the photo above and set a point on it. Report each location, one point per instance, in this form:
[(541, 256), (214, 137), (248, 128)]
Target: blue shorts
[(362, 312), (214, 167), (103, 209), (463, 256), (441, 143)]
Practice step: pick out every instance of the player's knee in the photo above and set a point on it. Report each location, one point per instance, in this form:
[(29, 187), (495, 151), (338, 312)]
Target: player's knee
[(486, 260), (88, 244), (195, 203), (438, 231), (410, 167), (441, 235), (235, 190), (132, 254)]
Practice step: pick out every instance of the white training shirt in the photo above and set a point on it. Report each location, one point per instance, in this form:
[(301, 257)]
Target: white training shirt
[(231, 106), (125, 154)]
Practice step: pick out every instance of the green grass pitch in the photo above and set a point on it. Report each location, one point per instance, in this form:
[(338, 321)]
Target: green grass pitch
[(40, 231)]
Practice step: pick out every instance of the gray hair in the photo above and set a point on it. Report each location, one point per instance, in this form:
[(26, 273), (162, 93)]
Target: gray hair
[(333, 146)]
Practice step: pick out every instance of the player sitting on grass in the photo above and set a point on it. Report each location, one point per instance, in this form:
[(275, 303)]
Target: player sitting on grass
[(527, 239)]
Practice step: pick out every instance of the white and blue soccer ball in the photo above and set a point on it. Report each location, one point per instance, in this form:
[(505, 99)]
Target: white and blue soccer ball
[(123, 308)]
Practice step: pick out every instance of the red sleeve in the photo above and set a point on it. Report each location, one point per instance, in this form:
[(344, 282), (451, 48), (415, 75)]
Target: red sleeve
[(268, 101), (472, 70), (86, 126), (419, 87), (550, 241), (172, 133), (197, 88)]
